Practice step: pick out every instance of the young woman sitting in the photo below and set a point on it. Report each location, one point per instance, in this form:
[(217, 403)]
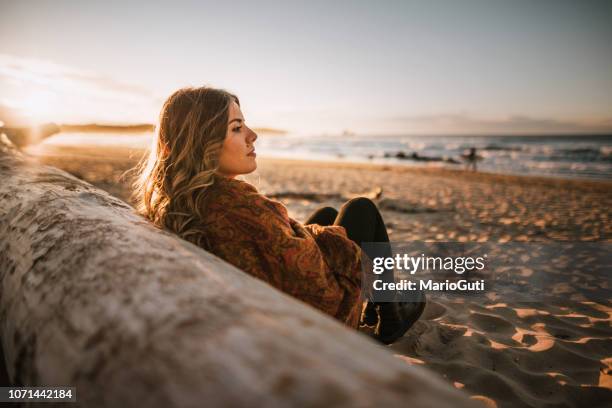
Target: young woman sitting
[(188, 185)]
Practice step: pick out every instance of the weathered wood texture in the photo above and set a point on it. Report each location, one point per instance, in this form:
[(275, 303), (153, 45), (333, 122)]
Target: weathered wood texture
[(93, 296)]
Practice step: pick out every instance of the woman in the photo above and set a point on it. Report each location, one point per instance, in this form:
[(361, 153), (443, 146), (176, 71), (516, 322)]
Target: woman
[(188, 185)]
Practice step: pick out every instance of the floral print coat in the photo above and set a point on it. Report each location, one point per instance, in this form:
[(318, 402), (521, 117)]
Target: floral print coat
[(316, 264)]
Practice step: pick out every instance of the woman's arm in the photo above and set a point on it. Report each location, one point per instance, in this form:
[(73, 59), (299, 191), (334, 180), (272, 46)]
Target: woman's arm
[(318, 266)]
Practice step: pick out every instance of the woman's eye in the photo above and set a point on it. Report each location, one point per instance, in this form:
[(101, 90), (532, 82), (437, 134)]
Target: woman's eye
[(237, 129)]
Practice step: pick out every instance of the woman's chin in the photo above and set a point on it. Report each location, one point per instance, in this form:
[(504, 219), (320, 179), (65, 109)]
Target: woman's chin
[(251, 168)]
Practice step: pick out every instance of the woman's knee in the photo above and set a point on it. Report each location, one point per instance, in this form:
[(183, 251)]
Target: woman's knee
[(328, 211), (360, 204), (323, 216)]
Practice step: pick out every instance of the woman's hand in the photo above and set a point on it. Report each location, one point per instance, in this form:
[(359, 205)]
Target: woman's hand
[(299, 229)]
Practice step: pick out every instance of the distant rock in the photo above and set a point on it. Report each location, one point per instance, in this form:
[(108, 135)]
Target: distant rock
[(416, 157)]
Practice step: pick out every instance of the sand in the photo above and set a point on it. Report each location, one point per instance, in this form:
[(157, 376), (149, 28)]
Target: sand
[(503, 351)]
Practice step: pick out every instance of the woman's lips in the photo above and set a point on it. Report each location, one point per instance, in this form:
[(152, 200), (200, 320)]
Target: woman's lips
[(252, 154)]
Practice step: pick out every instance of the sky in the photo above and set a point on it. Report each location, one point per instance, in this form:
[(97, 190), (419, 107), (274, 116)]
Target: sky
[(384, 67)]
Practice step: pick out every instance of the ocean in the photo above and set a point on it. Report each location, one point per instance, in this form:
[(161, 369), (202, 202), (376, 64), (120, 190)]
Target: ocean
[(581, 156), (584, 156)]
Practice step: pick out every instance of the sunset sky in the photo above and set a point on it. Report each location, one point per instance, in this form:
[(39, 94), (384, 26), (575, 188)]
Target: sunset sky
[(316, 66)]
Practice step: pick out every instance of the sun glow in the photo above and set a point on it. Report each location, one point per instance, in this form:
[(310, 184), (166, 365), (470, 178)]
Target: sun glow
[(38, 106)]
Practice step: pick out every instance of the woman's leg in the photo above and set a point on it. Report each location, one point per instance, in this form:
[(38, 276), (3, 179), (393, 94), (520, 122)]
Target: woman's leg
[(361, 220), (323, 216), (364, 223), (359, 217)]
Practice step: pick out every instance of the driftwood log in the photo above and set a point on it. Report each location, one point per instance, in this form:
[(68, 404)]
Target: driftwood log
[(94, 297)]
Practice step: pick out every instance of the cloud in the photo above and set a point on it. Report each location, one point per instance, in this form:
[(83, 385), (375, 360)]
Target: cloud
[(49, 73), (518, 124), (39, 90)]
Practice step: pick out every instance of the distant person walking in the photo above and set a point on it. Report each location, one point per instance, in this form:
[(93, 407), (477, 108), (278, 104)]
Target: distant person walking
[(471, 159)]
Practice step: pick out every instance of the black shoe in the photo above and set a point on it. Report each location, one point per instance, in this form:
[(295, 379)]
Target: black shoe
[(369, 317), (395, 318)]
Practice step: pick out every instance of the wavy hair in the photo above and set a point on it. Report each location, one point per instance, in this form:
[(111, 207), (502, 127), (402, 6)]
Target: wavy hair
[(171, 181)]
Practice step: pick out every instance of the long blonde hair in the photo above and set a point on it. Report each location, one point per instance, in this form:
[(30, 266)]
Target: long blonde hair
[(170, 188)]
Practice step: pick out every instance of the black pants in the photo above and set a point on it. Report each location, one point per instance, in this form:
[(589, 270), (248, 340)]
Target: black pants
[(363, 223), (359, 216)]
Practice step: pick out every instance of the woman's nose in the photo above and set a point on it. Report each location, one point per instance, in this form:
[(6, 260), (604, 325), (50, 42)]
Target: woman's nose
[(252, 136)]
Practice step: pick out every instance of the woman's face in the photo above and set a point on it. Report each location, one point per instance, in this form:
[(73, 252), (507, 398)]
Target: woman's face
[(238, 152)]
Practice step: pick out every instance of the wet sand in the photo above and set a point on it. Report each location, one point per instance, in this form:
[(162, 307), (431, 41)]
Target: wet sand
[(503, 352)]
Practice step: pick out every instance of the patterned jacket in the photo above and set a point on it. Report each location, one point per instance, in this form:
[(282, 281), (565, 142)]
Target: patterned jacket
[(316, 264)]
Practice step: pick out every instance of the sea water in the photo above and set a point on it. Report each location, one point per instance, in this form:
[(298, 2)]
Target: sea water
[(584, 156), (580, 156)]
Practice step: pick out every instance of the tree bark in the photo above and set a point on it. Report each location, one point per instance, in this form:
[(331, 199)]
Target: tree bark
[(94, 297)]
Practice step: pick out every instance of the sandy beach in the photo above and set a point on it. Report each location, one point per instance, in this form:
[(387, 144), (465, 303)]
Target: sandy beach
[(503, 352)]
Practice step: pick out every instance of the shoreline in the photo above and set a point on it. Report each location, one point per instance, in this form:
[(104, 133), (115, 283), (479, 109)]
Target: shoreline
[(446, 172)]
